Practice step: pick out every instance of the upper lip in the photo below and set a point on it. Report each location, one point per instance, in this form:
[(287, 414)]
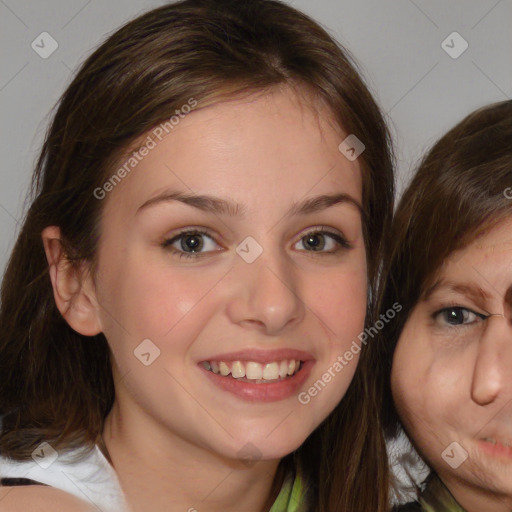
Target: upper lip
[(261, 356)]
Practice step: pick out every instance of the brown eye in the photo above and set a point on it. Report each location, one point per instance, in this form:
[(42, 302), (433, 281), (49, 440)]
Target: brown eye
[(314, 241), (191, 244), (323, 241)]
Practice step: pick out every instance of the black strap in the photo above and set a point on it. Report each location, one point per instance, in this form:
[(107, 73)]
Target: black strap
[(9, 482), (413, 506)]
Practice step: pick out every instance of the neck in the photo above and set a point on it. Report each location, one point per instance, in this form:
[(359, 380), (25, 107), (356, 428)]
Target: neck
[(159, 471)]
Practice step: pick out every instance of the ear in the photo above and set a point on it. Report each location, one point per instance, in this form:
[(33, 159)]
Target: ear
[(73, 288)]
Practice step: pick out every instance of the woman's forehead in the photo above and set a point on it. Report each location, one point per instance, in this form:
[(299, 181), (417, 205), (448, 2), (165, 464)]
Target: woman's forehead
[(268, 145)]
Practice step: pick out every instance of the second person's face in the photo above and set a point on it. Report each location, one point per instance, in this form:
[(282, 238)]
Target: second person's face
[(452, 372)]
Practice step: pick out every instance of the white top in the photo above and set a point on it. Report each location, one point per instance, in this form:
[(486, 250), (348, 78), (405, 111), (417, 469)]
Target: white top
[(90, 477), (85, 474), (407, 468)]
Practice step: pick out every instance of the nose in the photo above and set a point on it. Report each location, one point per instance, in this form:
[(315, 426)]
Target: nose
[(491, 373), (266, 294)]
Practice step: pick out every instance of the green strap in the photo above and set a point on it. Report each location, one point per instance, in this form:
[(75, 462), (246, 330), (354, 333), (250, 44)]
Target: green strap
[(437, 498), (291, 497)]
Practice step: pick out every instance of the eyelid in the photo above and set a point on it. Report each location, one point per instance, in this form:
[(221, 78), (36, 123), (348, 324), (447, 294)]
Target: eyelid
[(437, 302), (199, 230), (458, 305)]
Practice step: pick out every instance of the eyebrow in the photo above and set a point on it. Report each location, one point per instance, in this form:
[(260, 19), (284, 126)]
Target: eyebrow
[(472, 290), (221, 206)]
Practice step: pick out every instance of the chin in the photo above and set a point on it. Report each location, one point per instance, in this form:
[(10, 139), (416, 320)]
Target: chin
[(495, 480), (489, 477), (256, 448)]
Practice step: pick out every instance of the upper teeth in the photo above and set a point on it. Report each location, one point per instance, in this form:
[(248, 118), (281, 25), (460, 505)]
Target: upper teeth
[(493, 441), (254, 371)]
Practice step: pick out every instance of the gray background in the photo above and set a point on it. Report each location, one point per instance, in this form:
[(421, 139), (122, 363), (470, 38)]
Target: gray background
[(397, 43)]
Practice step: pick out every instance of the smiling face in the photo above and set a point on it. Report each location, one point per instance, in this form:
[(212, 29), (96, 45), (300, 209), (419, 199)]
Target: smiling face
[(451, 376), (236, 248)]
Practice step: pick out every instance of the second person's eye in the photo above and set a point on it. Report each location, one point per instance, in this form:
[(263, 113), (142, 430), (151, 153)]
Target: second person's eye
[(458, 315)]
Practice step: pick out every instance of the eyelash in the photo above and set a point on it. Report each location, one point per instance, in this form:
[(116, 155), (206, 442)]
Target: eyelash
[(437, 314), (167, 244)]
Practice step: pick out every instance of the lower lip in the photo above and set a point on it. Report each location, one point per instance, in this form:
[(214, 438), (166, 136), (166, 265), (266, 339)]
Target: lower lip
[(495, 450), (271, 392)]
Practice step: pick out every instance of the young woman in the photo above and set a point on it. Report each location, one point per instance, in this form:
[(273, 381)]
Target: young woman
[(203, 243), (450, 269)]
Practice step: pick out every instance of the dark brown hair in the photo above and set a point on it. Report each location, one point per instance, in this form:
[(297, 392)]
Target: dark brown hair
[(56, 384), (461, 190)]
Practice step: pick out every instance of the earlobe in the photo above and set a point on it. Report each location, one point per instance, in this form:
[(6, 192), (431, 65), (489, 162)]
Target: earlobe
[(73, 289)]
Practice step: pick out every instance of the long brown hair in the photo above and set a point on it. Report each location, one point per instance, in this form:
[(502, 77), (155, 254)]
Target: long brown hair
[(56, 384), (462, 188)]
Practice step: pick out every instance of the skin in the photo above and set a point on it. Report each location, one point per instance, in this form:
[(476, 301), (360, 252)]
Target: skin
[(175, 438), (41, 499), (451, 378)]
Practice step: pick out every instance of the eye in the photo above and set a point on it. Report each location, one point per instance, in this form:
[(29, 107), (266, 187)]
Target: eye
[(323, 241), (457, 315), (191, 243)]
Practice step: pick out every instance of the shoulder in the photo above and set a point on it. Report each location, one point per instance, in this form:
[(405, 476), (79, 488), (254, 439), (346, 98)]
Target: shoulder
[(42, 499)]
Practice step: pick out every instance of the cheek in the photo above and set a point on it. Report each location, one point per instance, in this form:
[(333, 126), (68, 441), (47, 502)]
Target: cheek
[(411, 382), (149, 300), (428, 391), (340, 303), (431, 377)]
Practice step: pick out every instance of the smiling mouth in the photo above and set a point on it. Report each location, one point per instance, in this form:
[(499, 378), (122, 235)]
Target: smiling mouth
[(254, 372)]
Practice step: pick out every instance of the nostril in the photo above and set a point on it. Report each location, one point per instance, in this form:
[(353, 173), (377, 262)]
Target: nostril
[(251, 322)]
